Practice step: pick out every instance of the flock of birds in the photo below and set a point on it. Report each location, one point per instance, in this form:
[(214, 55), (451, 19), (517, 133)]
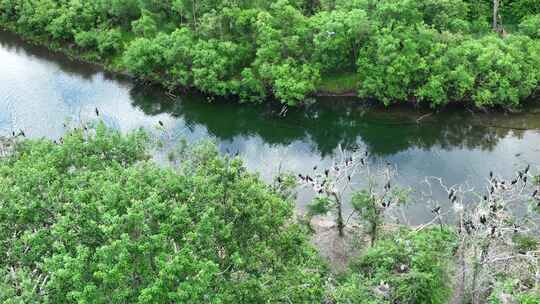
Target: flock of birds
[(321, 182), (495, 185)]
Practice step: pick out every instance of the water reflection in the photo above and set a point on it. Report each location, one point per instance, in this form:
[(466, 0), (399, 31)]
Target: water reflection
[(345, 122), (40, 90)]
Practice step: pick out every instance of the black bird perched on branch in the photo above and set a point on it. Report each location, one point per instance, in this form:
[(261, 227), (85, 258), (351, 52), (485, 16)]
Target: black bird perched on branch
[(160, 123), (97, 112), (514, 182), (349, 178), (362, 161), (454, 199), (436, 209), (314, 168), (527, 169), (485, 197), (483, 220), (491, 174), (326, 172), (22, 133), (535, 193), (451, 194)]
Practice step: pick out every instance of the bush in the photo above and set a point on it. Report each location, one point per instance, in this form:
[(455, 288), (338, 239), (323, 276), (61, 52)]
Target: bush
[(109, 42), (530, 26), (415, 265), (87, 40)]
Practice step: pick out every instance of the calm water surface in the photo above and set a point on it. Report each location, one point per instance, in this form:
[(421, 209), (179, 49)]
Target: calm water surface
[(39, 91)]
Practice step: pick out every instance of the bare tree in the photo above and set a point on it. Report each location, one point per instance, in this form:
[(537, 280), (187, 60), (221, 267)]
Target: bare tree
[(372, 199), (487, 226)]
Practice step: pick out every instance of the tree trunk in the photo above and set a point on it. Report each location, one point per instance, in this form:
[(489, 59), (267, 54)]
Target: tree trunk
[(339, 220), (496, 15)]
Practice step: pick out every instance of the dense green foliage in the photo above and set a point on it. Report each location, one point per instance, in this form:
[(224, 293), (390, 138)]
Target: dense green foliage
[(404, 267), (431, 51), (92, 221)]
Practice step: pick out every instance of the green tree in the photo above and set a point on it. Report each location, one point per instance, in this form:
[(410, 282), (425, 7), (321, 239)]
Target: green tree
[(92, 220)]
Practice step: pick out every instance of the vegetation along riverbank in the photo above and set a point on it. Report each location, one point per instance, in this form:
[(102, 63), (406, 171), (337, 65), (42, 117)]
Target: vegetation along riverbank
[(485, 53), (90, 218)]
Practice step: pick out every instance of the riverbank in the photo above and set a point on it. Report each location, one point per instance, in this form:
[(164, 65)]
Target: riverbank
[(344, 85), (283, 52)]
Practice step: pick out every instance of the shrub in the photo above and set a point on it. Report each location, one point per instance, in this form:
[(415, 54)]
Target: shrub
[(415, 265)]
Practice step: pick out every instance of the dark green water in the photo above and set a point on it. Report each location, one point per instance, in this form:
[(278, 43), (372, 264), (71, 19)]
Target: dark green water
[(39, 91)]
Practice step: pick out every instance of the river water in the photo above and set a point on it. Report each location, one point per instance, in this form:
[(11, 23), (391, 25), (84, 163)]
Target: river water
[(40, 91)]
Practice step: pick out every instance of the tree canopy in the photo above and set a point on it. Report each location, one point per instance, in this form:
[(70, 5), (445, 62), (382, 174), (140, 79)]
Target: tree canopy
[(433, 52), (92, 220)]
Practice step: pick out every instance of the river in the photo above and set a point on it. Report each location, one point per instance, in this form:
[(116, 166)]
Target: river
[(40, 91)]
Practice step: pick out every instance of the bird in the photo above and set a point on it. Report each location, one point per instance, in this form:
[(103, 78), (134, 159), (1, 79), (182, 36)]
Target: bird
[(160, 123), (326, 172), (436, 209), (483, 220), (362, 161), (349, 178), (535, 193), (22, 133), (525, 179), (454, 199), (490, 174), (97, 112), (491, 190), (13, 133), (514, 182), (314, 168), (387, 186), (451, 194), (301, 176), (527, 169), (485, 197)]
